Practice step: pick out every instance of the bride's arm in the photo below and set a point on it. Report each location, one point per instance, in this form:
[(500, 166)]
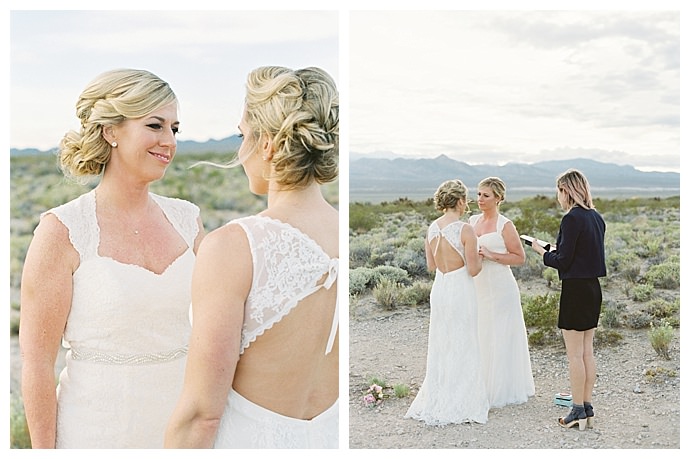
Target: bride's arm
[(220, 285)]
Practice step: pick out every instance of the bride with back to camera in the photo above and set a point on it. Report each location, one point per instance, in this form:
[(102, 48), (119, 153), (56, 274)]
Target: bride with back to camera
[(263, 358), (453, 390)]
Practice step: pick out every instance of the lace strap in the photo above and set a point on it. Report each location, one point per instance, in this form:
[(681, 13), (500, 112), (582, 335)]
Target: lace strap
[(79, 217), (502, 220), (287, 267), (436, 231), (182, 215)]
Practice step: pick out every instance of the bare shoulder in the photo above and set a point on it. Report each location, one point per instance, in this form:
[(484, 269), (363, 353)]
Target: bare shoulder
[(220, 240), (468, 231)]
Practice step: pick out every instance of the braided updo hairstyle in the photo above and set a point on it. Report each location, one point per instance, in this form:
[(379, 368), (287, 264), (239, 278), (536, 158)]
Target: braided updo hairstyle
[(299, 111), (449, 193), (109, 99)]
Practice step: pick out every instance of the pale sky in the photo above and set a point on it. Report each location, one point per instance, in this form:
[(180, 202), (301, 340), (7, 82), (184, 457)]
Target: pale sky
[(496, 86), (204, 55), (482, 86)]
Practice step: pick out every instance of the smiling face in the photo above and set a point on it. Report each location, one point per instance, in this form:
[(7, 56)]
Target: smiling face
[(145, 146)]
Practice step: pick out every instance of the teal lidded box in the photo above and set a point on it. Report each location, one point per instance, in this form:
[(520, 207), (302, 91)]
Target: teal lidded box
[(563, 399)]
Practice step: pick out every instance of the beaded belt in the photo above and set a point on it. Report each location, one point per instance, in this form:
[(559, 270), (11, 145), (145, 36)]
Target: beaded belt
[(128, 359)]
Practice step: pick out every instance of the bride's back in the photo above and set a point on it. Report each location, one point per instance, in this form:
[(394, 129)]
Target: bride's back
[(286, 369)]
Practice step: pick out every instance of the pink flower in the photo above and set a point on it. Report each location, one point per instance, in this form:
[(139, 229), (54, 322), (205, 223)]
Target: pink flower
[(369, 399)]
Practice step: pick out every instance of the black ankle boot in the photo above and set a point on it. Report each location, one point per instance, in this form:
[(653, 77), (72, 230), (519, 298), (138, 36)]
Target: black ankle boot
[(577, 416), (589, 411)]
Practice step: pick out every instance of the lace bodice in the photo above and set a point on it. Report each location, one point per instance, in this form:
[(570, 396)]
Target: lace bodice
[(287, 267), (492, 240), (123, 313), (127, 332), (450, 233)]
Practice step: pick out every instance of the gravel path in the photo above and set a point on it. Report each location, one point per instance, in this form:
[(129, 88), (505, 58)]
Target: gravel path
[(637, 395), (636, 400)]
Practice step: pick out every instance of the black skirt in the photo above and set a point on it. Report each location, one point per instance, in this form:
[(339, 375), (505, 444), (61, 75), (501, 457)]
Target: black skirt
[(580, 304)]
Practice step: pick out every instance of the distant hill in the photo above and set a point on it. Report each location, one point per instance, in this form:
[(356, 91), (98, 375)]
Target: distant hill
[(376, 179), (228, 144)]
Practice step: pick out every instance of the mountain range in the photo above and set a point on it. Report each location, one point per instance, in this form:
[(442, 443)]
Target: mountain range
[(375, 179), (228, 144), (391, 177)]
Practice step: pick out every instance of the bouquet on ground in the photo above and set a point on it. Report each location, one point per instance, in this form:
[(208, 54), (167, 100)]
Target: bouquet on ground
[(374, 396)]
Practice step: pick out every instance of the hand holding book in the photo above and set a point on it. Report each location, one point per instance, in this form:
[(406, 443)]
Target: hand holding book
[(529, 240)]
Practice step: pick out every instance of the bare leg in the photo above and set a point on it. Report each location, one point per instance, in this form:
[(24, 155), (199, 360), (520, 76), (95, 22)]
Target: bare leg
[(574, 346), (590, 364)]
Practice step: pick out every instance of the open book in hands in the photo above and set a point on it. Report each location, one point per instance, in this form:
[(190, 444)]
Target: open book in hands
[(528, 240)]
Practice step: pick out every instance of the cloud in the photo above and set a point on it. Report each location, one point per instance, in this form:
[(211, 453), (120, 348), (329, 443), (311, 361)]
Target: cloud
[(204, 55), (516, 82)]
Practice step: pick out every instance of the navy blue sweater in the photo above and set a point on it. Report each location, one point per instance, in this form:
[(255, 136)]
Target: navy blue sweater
[(579, 250)]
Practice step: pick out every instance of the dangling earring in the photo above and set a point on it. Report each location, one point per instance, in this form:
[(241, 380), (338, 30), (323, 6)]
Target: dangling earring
[(114, 144)]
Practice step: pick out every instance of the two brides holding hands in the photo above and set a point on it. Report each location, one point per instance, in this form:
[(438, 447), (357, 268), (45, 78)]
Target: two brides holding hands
[(477, 351)]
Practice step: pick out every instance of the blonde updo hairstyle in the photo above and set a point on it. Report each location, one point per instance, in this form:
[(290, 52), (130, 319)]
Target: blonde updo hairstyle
[(109, 99), (575, 186), (449, 193), (299, 111), (497, 187)]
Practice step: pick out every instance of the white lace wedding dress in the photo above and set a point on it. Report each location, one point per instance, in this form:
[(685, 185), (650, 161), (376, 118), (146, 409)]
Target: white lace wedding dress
[(127, 333), (287, 267), (452, 391), (506, 365)]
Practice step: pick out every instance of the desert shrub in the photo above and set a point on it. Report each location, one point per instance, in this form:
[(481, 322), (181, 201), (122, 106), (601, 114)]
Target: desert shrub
[(534, 219), (416, 294), (19, 430), (361, 279), (413, 261), (660, 338), (648, 245), (624, 262), (642, 292), (375, 380), (401, 390), (551, 277), (659, 375), (530, 269), (360, 252), (392, 273), (383, 252), (541, 312), (18, 248), (665, 275), (607, 337), (659, 308), (611, 315), (14, 326), (387, 293), (536, 338), (638, 320)]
